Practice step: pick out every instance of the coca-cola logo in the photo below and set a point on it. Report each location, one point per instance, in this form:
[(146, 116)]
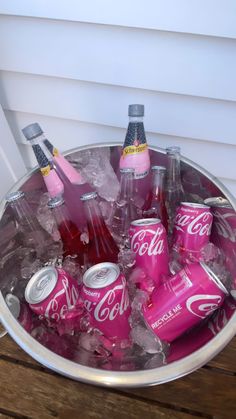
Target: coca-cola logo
[(107, 308), (223, 227), (142, 246), (54, 310), (200, 225), (202, 305)]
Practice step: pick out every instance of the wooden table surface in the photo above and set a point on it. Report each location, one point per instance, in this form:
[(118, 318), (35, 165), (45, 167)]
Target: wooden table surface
[(29, 390)]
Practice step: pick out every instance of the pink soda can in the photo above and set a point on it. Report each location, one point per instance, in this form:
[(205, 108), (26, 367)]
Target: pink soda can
[(148, 240), (183, 301), (106, 298), (192, 228), (51, 293)]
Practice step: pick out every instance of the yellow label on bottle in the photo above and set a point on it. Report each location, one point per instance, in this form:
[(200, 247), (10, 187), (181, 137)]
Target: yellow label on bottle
[(132, 149), (45, 170), (55, 152)]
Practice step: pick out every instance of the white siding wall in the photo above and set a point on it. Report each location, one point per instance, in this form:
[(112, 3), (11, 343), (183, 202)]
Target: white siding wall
[(74, 67)]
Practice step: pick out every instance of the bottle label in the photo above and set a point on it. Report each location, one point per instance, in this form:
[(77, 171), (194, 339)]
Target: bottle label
[(45, 170), (134, 149)]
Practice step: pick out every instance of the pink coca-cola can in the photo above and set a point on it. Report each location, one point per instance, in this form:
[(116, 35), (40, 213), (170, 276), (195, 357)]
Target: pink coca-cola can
[(148, 240), (51, 293), (183, 301), (223, 232), (20, 311), (192, 228), (106, 298)]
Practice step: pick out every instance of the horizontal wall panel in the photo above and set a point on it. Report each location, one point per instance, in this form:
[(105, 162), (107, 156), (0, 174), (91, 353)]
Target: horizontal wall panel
[(218, 159), (168, 114), (146, 59), (210, 17)]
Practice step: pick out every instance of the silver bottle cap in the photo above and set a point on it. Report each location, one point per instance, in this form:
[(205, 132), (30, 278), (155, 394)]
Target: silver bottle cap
[(13, 304), (32, 131), (56, 202), (145, 222), (101, 275), (89, 195), (14, 196), (41, 285), (127, 170), (136, 110), (158, 168), (217, 202), (173, 150)]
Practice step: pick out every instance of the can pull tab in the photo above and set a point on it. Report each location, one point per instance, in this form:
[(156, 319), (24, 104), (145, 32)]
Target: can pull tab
[(3, 332)]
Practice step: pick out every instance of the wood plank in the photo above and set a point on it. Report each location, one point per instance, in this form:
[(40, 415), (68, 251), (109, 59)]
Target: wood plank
[(204, 119), (40, 395), (179, 16), (206, 390), (25, 47)]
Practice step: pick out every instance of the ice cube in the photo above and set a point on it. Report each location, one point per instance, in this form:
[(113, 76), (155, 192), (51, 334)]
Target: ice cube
[(146, 339)]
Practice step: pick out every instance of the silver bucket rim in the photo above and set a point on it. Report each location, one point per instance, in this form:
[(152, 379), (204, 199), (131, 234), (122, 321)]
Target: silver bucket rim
[(138, 378)]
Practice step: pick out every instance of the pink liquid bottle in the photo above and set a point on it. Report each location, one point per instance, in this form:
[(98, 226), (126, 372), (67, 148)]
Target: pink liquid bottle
[(125, 210), (52, 181), (34, 236), (101, 246), (135, 153), (154, 206), (73, 184), (70, 234), (174, 188)]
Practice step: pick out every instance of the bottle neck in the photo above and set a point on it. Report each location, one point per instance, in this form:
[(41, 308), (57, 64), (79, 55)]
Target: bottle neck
[(61, 214), (158, 183), (173, 168), (94, 217), (24, 215), (135, 133), (41, 142), (136, 119), (126, 186)]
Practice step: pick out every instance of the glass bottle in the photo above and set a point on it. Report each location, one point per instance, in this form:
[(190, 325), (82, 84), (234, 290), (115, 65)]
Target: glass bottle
[(70, 234), (125, 210), (34, 236), (135, 153), (174, 188), (154, 206), (101, 246)]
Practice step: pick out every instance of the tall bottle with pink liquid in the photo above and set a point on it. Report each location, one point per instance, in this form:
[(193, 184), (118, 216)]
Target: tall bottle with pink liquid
[(135, 153)]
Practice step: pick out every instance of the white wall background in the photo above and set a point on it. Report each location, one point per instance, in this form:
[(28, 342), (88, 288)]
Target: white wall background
[(74, 66)]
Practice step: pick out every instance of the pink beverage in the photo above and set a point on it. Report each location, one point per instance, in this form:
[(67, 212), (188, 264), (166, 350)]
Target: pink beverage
[(106, 298), (20, 311), (223, 232), (199, 336), (51, 293), (183, 301), (192, 228), (135, 153), (149, 242)]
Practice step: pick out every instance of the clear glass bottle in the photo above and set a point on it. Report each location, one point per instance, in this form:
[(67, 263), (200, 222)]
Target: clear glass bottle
[(101, 246), (174, 188), (70, 234), (154, 206), (34, 236), (125, 210)]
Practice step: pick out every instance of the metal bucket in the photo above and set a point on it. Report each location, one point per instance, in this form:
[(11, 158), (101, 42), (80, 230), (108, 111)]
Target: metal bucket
[(190, 351)]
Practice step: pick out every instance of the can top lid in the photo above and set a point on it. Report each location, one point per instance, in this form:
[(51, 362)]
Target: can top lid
[(101, 275), (13, 304), (145, 221), (194, 205), (89, 195), (214, 278), (56, 201), (136, 110), (161, 168), (32, 131), (218, 201), (14, 196), (41, 285)]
